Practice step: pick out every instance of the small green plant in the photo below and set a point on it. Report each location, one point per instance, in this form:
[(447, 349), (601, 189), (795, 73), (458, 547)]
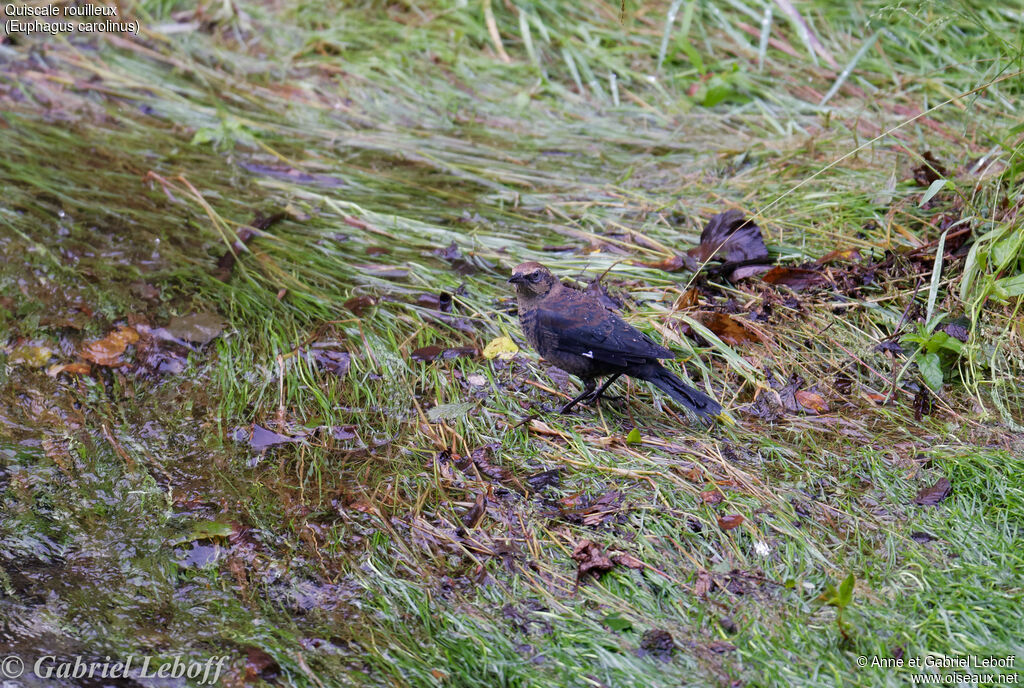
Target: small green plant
[(937, 352), (841, 599)]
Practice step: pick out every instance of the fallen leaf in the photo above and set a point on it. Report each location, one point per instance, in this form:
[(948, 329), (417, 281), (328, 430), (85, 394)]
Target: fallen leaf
[(721, 647), (76, 368), (811, 401), (957, 331), (729, 521), (730, 238), (930, 496), (502, 348), (209, 530), (930, 170), (450, 411), (634, 436), (260, 438), (199, 328), (544, 479), (796, 279), (688, 299), (337, 362), (657, 643), (31, 356), (846, 255), (591, 560), (476, 379), (426, 354), (475, 513), (459, 352), (704, 584), (674, 264), (629, 561), (358, 304), (727, 328), (107, 351), (259, 664), (711, 497)]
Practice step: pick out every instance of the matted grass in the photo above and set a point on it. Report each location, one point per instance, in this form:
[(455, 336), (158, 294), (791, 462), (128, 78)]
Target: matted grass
[(589, 136)]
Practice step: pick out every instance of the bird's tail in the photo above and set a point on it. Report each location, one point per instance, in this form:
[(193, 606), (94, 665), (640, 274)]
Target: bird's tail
[(695, 400)]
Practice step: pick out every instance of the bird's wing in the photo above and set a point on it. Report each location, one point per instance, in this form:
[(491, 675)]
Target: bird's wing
[(588, 329)]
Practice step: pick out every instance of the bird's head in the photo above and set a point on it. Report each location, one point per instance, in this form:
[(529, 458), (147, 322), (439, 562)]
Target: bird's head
[(532, 280)]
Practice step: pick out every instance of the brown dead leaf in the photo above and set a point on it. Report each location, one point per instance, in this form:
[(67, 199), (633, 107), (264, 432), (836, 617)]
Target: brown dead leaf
[(76, 368), (591, 560), (711, 497), (705, 583), (844, 255), (929, 170), (729, 521), (107, 351), (259, 664), (728, 329), (629, 561), (688, 299), (673, 264), (796, 279), (475, 514), (930, 496), (811, 401), (358, 304), (426, 354)]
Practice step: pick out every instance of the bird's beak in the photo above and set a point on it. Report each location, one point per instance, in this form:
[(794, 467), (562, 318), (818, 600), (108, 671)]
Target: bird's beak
[(516, 279)]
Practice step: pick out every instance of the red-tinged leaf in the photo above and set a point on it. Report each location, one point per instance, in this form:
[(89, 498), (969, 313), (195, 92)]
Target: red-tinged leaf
[(672, 264), (729, 521), (426, 354), (259, 664), (688, 299), (107, 351), (76, 368), (812, 401), (711, 497), (930, 496), (796, 279), (358, 304)]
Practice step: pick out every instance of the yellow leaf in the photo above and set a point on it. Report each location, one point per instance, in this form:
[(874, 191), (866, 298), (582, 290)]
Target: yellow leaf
[(502, 347), (31, 356)]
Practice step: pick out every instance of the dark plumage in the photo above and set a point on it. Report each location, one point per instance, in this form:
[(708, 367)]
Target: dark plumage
[(574, 331)]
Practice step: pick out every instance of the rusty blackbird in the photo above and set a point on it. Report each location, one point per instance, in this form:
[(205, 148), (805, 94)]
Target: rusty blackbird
[(574, 331)]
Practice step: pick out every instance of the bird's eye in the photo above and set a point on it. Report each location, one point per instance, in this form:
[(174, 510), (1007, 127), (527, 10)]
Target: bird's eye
[(534, 277)]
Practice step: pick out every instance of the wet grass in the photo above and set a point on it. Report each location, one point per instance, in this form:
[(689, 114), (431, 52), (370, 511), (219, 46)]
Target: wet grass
[(376, 136)]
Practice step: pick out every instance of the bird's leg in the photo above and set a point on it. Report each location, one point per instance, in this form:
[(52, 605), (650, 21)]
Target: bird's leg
[(588, 389), (600, 390)]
